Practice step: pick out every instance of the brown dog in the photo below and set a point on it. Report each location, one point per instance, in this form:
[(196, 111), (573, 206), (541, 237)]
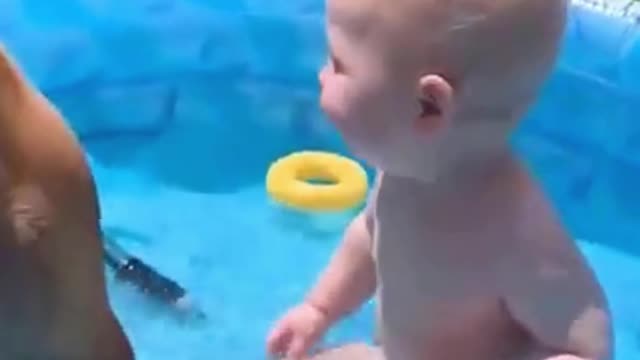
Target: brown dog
[(53, 301)]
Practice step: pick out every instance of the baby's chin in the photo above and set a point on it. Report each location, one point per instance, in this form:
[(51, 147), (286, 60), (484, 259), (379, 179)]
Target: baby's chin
[(390, 162), (406, 169), (374, 159)]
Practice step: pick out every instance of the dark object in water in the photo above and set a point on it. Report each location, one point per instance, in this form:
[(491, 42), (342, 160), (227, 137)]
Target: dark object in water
[(133, 270)]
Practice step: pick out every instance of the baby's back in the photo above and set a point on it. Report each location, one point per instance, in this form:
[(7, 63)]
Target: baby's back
[(448, 270)]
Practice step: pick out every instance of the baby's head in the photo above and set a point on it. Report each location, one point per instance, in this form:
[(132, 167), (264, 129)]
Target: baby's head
[(418, 86)]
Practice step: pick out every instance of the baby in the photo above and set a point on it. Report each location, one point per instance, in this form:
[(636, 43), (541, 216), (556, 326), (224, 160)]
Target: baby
[(466, 257), (54, 303)]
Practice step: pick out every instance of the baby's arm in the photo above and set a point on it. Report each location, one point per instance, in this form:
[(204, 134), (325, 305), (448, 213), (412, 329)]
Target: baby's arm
[(349, 279)]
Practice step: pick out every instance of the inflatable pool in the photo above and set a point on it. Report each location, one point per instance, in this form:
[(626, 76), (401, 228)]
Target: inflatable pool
[(170, 96)]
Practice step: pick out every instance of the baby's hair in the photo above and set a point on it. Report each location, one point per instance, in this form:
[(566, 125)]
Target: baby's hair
[(509, 45)]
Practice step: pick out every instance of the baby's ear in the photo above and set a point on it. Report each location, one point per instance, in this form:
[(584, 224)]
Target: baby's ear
[(436, 104)]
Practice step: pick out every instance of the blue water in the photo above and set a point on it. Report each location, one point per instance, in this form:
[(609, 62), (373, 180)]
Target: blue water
[(181, 107), (191, 202)]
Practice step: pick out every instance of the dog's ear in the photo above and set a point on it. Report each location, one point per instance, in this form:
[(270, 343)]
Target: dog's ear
[(12, 83)]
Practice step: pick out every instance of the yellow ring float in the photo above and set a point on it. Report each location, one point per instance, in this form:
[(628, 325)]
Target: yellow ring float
[(290, 181)]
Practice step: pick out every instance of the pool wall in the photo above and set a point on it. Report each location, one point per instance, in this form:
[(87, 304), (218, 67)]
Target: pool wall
[(137, 65), (582, 136), (131, 69)]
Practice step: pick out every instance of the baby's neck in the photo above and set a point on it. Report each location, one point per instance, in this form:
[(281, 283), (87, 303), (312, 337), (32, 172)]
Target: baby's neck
[(490, 179), (482, 173)]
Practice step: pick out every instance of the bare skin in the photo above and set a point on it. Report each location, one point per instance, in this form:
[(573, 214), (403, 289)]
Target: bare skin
[(54, 302), (464, 253)]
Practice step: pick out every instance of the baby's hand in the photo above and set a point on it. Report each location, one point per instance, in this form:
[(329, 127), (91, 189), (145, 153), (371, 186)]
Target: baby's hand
[(297, 331)]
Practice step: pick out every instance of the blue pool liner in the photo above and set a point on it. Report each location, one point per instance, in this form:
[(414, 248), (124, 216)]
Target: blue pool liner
[(121, 68)]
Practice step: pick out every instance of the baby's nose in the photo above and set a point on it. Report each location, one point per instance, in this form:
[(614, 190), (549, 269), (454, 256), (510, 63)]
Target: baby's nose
[(322, 75)]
